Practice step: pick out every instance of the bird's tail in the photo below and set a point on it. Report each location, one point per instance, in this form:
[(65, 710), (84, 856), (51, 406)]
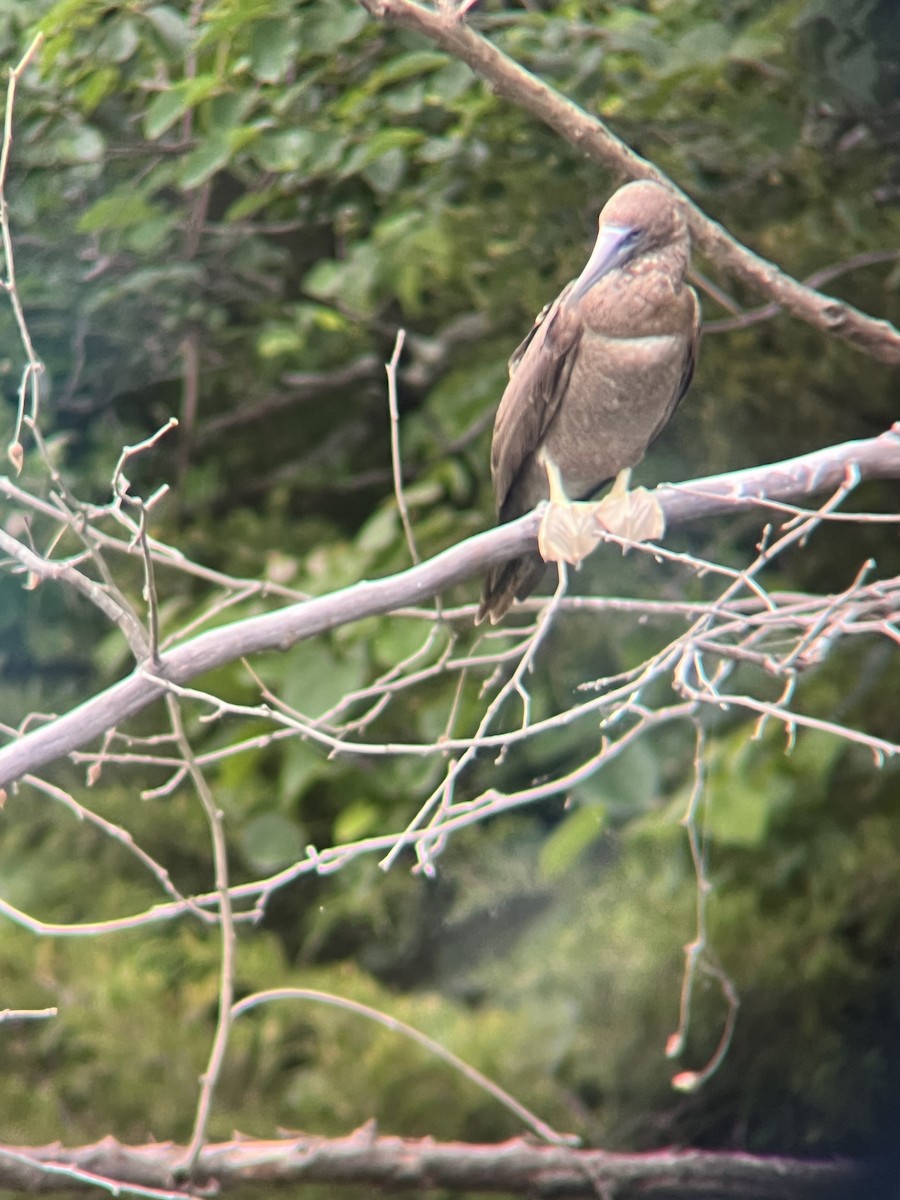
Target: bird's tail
[(513, 580)]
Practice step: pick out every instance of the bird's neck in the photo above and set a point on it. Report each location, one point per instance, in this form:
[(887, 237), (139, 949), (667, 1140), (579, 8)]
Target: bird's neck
[(645, 298)]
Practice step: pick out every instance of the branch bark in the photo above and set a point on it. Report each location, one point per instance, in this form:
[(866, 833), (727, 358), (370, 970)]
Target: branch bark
[(507, 78), (516, 1167), (797, 478)]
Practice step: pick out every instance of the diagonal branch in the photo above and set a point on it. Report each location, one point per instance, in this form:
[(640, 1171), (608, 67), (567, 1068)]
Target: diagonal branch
[(823, 470), (508, 79)]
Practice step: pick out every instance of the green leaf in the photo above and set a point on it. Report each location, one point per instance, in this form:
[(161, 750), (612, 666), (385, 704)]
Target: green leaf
[(227, 109), (164, 110), (330, 24), (285, 150), (815, 754), (381, 530), (630, 31), (278, 339), (83, 145), (386, 172), (325, 278), (754, 48), (355, 821), (628, 783), (353, 279), (151, 234), (407, 101), (171, 26), (438, 149), (166, 107), (271, 841), (316, 675), (450, 82), (406, 66), (272, 50), (704, 47), (250, 203), (393, 640), (99, 84), (119, 210), (376, 146), (570, 839), (302, 765), (201, 164), (122, 40), (743, 786)]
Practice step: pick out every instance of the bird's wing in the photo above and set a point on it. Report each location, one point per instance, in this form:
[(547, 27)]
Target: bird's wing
[(519, 353), (539, 373), (687, 373)]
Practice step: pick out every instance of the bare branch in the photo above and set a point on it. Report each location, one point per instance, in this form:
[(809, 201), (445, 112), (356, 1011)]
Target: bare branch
[(534, 1122), (34, 368), (742, 320), (42, 569), (517, 1167), (874, 458), (396, 460), (227, 965), (163, 554), (10, 1015)]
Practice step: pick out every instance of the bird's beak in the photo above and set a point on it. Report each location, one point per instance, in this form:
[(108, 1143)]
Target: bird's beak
[(614, 244)]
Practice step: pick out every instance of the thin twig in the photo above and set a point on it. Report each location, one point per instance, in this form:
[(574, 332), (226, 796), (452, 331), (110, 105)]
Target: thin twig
[(34, 367), (396, 461), (228, 938), (534, 1123)]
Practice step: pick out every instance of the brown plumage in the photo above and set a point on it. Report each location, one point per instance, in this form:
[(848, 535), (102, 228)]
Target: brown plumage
[(600, 374)]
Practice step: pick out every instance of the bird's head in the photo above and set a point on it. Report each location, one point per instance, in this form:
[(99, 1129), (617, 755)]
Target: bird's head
[(638, 220)]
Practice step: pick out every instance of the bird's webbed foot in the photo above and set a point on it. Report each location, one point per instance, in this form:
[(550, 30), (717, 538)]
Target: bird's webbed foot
[(635, 514), (570, 529)]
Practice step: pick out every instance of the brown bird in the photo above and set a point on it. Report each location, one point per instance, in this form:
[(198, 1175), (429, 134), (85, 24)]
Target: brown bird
[(600, 374)]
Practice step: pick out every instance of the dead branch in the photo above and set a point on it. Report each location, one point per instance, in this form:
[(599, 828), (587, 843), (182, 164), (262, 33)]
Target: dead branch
[(505, 77), (516, 1167)]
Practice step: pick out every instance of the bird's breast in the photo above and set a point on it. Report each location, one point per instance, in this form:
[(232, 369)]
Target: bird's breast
[(620, 392)]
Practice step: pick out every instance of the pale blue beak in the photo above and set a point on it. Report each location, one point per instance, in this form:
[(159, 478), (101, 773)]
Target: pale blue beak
[(613, 247)]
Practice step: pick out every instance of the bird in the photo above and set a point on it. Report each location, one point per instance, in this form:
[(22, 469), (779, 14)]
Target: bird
[(599, 376)]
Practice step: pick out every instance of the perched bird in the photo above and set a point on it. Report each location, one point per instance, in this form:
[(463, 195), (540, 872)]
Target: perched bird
[(597, 379)]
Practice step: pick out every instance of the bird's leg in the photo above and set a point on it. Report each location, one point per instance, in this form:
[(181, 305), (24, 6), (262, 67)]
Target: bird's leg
[(619, 489), (570, 530)]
